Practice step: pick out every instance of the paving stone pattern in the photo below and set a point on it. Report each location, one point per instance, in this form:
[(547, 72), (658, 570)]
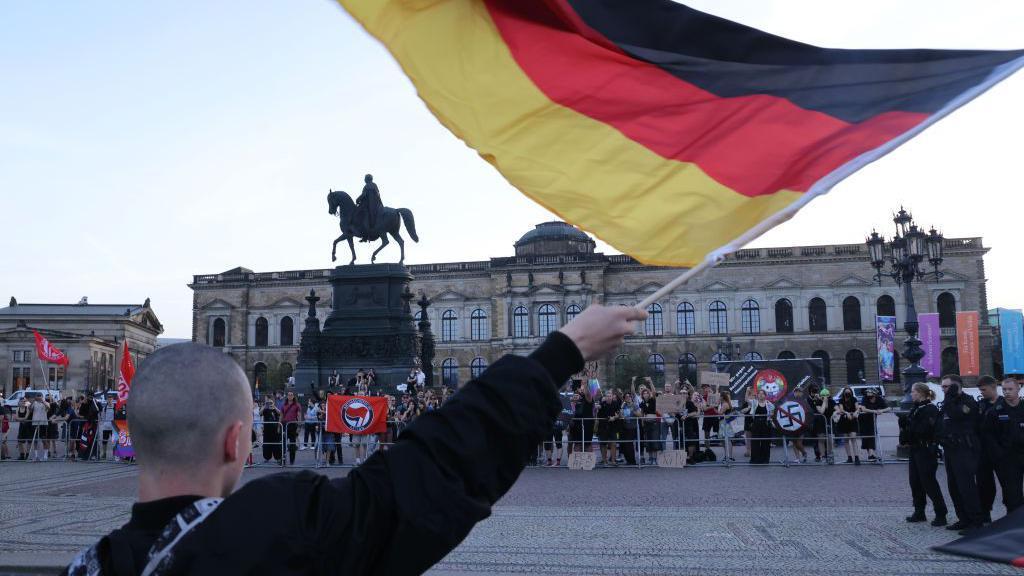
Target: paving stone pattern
[(707, 520)]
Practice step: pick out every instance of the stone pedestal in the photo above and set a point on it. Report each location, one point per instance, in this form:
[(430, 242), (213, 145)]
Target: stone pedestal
[(371, 326)]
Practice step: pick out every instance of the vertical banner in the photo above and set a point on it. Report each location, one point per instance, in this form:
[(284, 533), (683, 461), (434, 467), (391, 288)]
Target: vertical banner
[(885, 329), (967, 343), (122, 440), (929, 334), (1011, 328)]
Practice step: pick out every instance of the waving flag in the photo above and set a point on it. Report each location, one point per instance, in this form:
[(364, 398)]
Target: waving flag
[(48, 352), (357, 414), (124, 378), (669, 133)]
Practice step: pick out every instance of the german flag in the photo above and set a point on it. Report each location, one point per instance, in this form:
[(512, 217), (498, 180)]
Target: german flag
[(669, 133)]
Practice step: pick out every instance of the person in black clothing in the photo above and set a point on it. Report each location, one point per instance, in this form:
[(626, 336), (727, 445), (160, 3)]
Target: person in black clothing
[(872, 406), (760, 429), (583, 421), (986, 476), (651, 426), (609, 413), (690, 435), (1004, 425), (272, 437), (922, 428), (400, 512), (960, 448)]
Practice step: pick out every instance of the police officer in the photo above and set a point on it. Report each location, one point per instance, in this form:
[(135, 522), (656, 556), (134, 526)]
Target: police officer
[(986, 476), (960, 446), (921, 428), (1004, 425)]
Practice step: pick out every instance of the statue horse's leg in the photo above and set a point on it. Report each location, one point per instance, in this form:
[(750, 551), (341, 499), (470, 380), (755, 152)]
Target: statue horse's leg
[(351, 249), (383, 242), (401, 244), (334, 249)]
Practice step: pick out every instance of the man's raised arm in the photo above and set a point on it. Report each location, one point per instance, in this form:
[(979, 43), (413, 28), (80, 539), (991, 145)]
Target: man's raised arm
[(407, 507)]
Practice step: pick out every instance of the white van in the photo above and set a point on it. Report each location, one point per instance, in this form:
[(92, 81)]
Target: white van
[(17, 396)]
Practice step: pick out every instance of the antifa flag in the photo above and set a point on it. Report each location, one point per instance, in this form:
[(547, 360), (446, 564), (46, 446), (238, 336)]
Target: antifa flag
[(673, 135), (48, 352), (357, 414)]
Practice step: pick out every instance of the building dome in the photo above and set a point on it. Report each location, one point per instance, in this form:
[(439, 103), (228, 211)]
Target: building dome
[(553, 238)]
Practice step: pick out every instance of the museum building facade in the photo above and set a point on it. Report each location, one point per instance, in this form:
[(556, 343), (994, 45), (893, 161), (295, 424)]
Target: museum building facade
[(760, 303)]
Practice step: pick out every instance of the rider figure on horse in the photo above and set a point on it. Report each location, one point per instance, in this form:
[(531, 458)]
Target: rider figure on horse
[(368, 208)]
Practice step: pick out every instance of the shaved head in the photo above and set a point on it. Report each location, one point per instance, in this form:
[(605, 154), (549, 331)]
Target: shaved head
[(182, 400)]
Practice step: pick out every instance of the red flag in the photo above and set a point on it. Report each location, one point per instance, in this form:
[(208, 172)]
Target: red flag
[(48, 352), (357, 414), (124, 379)]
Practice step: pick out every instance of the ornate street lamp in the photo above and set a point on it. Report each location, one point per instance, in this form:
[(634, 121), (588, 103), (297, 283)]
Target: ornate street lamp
[(901, 259)]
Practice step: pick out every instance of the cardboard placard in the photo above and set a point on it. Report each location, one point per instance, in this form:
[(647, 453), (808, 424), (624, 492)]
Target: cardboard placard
[(582, 461), (672, 459), (669, 403), (715, 379), (714, 399)]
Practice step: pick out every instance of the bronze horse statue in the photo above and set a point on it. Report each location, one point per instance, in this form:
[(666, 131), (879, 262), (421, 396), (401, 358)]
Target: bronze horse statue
[(389, 221)]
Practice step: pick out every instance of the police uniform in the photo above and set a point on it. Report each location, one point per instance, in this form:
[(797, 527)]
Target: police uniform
[(923, 422), (1004, 425), (986, 476), (400, 512), (961, 446)]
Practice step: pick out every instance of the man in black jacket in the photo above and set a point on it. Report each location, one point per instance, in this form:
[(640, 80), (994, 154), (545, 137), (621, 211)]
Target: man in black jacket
[(399, 513), (960, 448)]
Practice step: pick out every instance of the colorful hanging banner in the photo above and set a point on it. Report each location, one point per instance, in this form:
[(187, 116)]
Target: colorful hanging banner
[(967, 343), (929, 334), (122, 440), (1011, 328), (885, 328)]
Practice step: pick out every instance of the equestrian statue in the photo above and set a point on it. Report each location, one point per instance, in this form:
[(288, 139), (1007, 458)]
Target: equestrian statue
[(368, 219)]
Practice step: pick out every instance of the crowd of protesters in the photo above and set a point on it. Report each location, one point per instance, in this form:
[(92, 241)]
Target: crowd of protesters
[(281, 418), (629, 428), (81, 424)]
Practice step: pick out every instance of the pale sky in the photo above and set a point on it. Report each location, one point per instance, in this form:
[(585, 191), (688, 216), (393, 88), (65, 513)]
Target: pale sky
[(144, 142)]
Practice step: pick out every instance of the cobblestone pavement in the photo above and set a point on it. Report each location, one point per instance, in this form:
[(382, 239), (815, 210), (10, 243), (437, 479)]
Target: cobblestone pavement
[(703, 520)]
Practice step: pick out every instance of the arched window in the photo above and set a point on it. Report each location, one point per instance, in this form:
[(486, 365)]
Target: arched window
[(547, 320), (750, 317), (656, 363), (654, 326), (854, 366), (786, 355), (219, 331), (688, 367), (448, 324), (572, 312), (259, 370), (752, 356), (718, 318), (262, 331), (825, 365), (450, 372), (851, 314), (719, 357), (947, 310), (684, 319), (885, 306), (286, 370), (477, 367), (287, 331), (520, 322), (950, 361), (784, 316), (816, 315), (478, 325)]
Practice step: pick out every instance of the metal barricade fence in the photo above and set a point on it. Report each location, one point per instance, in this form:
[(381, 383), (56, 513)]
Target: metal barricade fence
[(631, 441)]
